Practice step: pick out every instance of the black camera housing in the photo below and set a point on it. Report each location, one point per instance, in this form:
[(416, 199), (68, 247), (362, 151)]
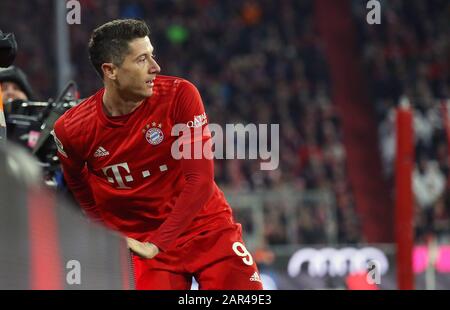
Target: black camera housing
[(8, 49)]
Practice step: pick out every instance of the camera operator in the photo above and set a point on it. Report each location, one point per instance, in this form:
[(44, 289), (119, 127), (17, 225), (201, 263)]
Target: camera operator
[(8, 50), (16, 91), (15, 85), (21, 118)]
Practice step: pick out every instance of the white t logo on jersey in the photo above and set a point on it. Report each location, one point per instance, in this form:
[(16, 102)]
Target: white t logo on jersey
[(116, 175)]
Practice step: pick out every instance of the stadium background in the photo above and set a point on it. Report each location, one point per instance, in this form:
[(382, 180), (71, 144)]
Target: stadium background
[(331, 81)]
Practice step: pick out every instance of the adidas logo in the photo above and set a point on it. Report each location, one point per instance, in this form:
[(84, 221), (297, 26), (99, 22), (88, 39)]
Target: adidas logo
[(101, 152), (255, 277)]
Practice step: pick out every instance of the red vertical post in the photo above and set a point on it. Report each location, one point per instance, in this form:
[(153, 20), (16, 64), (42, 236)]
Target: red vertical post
[(404, 164), (374, 206)]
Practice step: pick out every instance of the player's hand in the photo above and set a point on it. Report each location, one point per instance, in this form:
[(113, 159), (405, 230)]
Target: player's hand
[(142, 249)]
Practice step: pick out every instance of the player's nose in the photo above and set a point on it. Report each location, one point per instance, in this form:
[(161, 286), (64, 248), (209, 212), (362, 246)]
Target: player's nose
[(154, 67)]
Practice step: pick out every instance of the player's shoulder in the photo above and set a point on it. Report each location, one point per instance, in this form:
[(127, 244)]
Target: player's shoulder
[(172, 84), (80, 116)]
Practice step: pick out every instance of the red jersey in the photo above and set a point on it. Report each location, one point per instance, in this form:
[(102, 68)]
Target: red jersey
[(122, 173)]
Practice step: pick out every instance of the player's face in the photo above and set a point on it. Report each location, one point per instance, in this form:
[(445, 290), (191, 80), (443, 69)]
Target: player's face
[(136, 74)]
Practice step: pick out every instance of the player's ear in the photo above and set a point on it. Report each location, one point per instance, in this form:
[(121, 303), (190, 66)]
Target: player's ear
[(109, 70)]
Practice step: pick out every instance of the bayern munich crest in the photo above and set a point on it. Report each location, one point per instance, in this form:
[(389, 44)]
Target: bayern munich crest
[(154, 135)]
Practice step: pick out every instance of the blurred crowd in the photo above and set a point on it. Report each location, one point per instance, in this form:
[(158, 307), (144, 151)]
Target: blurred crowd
[(407, 57), (262, 62)]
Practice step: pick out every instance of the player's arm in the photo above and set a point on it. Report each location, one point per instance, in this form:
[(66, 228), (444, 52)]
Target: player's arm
[(198, 173), (198, 189), (75, 172)]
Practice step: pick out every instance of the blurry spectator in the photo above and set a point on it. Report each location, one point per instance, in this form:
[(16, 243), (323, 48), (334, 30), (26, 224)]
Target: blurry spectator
[(428, 183)]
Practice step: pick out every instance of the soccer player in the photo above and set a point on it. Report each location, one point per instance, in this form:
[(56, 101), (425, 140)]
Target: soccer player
[(115, 150)]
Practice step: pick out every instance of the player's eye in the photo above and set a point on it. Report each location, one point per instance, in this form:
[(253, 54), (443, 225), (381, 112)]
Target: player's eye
[(142, 59)]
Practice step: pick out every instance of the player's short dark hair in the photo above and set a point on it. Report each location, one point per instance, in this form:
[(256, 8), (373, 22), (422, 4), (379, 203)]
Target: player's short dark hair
[(109, 42)]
